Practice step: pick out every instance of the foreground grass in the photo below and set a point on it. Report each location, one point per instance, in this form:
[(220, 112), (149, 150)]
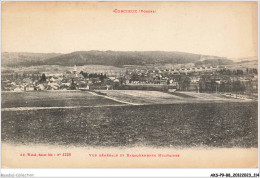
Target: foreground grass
[(190, 124)]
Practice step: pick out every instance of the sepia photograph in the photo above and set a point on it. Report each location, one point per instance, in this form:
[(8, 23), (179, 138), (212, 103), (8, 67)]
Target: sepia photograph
[(129, 84)]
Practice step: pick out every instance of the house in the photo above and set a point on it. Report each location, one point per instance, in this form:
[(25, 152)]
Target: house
[(194, 79), (40, 87), (183, 70), (198, 69), (109, 87), (29, 88), (18, 89), (171, 90), (52, 86)]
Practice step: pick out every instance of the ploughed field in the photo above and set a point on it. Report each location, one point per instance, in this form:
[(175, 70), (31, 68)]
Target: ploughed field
[(224, 124)]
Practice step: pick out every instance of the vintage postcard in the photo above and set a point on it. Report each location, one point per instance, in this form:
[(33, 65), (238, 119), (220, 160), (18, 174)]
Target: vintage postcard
[(129, 84)]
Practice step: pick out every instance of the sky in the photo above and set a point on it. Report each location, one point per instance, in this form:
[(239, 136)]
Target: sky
[(226, 29)]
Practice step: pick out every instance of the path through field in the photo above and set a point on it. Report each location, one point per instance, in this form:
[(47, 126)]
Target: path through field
[(114, 99), (48, 108)]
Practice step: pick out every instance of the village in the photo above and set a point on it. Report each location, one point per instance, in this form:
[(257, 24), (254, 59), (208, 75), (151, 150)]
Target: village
[(199, 79)]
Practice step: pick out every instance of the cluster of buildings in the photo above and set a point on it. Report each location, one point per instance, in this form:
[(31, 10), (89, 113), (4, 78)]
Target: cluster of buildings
[(191, 78), (200, 79), (35, 81)]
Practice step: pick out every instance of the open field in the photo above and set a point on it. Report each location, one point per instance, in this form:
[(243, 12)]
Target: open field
[(74, 99), (53, 99), (172, 125), (157, 97), (142, 97), (151, 118)]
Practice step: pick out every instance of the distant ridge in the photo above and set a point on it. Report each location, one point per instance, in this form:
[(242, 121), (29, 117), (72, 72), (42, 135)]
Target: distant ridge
[(25, 58), (109, 58)]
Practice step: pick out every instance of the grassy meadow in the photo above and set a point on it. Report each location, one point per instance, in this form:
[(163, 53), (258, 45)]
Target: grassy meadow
[(227, 124)]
